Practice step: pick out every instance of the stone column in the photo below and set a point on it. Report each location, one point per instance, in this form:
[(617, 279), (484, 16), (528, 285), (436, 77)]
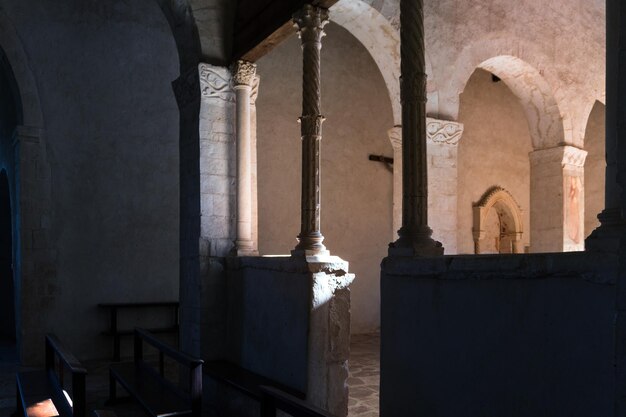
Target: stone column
[(442, 139), (310, 22), (557, 196), (414, 235), (442, 149), (395, 137), (243, 78), (254, 165), (616, 178), (612, 222)]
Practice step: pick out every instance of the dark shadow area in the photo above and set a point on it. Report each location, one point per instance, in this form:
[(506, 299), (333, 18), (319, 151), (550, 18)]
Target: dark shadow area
[(7, 289)]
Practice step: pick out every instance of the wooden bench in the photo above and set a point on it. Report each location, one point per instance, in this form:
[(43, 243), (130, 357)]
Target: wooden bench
[(274, 399), (242, 380), (149, 387), (118, 333), (41, 393)]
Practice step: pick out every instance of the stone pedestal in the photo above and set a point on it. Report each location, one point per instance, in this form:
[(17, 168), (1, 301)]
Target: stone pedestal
[(557, 209), (289, 320)]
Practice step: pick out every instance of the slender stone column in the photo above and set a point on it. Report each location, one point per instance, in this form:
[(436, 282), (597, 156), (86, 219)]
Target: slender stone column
[(253, 155), (243, 78), (414, 235), (310, 22), (606, 238)]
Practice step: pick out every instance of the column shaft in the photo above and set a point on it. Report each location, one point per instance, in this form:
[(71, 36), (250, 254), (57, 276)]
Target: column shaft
[(243, 77), (414, 235), (310, 22)]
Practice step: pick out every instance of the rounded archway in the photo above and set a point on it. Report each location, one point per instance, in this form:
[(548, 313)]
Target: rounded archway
[(545, 122), (498, 225)]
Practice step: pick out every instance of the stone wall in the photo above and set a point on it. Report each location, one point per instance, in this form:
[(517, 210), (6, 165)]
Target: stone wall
[(501, 335), (110, 157)]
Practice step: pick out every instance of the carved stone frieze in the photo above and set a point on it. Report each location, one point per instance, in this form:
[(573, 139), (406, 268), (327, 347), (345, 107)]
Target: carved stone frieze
[(254, 92), (395, 137), (565, 155), (574, 156), (443, 131), (215, 83)]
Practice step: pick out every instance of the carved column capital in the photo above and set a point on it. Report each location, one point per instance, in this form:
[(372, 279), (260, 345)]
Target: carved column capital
[(443, 131), (567, 156), (574, 157), (310, 22), (215, 83), (243, 73)]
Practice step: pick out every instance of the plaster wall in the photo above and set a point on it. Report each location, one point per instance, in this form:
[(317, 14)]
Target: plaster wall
[(104, 71), (502, 335), (549, 37), (356, 192), (595, 167), (493, 151)]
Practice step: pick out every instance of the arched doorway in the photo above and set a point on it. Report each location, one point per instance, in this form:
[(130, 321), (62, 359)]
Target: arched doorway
[(7, 287), (498, 226)]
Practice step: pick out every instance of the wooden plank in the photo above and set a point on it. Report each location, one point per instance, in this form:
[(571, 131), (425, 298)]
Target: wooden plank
[(275, 399), (179, 356), (260, 26), (129, 332), (148, 388), (243, 380), (37, 391), (140, 304)]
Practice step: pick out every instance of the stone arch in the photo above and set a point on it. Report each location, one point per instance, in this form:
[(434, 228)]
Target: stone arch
[(519, 66), (509, 213), (545, 123), (382, 40), (29, 111), (30, 186)]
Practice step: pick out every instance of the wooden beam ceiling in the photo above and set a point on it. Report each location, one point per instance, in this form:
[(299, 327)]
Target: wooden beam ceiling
[(260, 25)]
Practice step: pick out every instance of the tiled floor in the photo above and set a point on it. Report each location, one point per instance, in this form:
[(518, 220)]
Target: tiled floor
[(364, 375)]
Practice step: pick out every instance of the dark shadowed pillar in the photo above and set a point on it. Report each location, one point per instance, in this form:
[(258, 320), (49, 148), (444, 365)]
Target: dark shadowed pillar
[(310, 22), (414, 235)]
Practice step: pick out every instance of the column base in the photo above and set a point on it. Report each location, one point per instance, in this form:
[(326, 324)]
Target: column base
[(310, 254), (418, 244), (606, 238), (244, 248)]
